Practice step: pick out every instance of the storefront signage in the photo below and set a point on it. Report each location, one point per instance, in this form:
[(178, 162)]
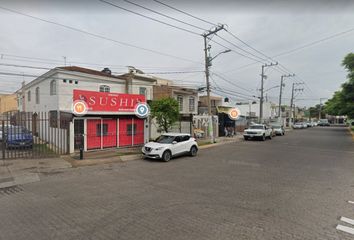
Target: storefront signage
[(142, 110), (108, 102), (234, 113)]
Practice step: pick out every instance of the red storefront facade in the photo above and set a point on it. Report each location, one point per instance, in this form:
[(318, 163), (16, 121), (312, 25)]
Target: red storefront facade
[(109, 122)]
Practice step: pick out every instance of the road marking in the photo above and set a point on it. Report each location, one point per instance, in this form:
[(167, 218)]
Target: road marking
[(345, 229), (351, 202), (347, 220)]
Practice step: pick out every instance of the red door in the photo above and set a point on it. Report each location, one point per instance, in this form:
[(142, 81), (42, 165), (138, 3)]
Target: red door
[(109, 133), (93, 133), (125, 132), (138, 131)]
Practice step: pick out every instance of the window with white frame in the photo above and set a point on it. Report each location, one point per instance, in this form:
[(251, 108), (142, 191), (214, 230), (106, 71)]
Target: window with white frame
[(180, 102), (29, 96), (53, 87), (105, 88), (37, 95), (191, 104), (142, 91)]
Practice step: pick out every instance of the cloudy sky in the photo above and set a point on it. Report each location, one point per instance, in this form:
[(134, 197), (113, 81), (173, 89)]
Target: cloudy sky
[(308, 38)]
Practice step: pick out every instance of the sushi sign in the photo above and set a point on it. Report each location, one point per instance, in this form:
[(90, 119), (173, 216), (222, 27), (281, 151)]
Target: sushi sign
[(105, 102)]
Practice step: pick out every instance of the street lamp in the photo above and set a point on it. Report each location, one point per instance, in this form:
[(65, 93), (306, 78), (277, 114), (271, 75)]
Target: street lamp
[(212, 58), (208, 60), (272, 88)]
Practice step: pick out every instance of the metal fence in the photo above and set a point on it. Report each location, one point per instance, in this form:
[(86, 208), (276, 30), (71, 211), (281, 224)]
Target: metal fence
[(33, 135)]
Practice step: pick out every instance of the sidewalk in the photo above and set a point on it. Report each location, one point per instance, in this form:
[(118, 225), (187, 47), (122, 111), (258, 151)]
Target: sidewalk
[(22, 171)]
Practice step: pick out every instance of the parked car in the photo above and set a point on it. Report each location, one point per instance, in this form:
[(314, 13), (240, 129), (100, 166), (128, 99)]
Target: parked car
[(169, 145), (298, 125), (18, 137), (278, 130), (323, 122), (308, 124), (259, 131)]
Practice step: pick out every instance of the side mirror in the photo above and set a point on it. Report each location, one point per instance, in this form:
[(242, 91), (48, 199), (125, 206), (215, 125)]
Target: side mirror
[(174, 142)]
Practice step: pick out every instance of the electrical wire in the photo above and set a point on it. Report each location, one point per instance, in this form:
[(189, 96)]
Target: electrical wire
[(188, 14), (99, 36), (150, 18), (232, 83), (164, 15)]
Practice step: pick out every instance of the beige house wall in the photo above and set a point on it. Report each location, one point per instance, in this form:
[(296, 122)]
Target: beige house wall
[(8, 102)]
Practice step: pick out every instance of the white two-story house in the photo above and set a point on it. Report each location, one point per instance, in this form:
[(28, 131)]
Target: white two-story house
[(109, 121)]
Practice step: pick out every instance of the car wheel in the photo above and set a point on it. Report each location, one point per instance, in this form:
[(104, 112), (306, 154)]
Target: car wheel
[(193, 151), (263, 137), (246, 138), (283, 133), (270, 137), (166, 156)]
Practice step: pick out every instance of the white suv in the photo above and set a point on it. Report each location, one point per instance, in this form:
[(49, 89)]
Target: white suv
[(170, 145), (258, 131)]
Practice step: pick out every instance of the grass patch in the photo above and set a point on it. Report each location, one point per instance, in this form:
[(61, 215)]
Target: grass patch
[(127, 153), (43, 148)]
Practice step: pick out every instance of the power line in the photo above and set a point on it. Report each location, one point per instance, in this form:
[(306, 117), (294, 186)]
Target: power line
[(164, 15), (188, 14), (162, 72), (250, 53), (314, 43), (98, 36), (150, 18), (248, 45), (231, 92), (241, 54), (23, 66), (232, 83), (89, 64)]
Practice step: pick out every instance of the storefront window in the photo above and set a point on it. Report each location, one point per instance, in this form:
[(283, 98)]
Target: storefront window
[(131, 129), (104, 129)]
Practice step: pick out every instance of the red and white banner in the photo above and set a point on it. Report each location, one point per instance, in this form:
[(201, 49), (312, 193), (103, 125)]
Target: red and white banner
[(108, 102)]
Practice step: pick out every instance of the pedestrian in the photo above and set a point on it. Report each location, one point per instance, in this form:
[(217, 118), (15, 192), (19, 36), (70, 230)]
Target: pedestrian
[(225, 131)]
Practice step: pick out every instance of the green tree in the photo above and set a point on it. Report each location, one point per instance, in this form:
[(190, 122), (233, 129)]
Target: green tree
[(342, 102), (165, 111)]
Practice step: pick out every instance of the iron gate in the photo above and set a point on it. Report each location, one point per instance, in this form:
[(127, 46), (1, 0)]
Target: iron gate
[(34, 135)]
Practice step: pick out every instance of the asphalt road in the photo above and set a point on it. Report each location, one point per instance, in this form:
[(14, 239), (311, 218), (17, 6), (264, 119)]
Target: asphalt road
[(291, 187)]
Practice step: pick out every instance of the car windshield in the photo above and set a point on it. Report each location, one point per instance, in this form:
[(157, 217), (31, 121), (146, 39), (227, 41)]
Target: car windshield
[(276, 126), (256, 127), (165, 139), (15, 130)]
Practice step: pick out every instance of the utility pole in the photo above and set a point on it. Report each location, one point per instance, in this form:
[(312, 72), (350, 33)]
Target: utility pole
[(293, 89), (262, 85), (281, 90), (207, 65)]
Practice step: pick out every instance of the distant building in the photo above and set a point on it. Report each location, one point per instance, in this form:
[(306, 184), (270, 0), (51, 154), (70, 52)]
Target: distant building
[(188, 104)]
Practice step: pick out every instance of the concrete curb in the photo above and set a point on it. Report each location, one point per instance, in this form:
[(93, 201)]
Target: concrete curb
[(132, 157)]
